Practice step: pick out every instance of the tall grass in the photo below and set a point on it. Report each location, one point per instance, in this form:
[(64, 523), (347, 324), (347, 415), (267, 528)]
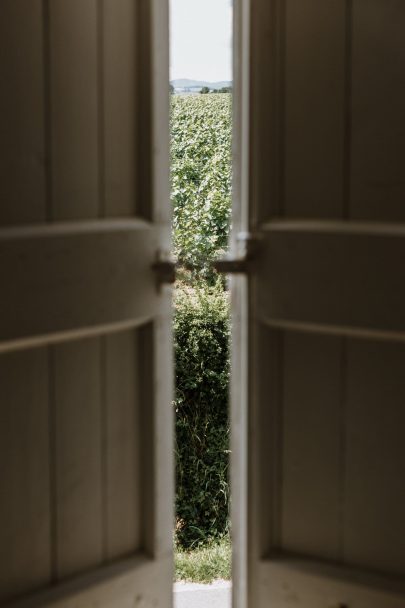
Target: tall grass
[(204, 564)]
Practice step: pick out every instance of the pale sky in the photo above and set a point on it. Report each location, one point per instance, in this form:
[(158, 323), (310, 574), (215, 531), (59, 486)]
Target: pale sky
[(201, 39)]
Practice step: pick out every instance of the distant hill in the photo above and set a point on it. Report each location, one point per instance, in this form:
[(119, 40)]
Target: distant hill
[(185, 83)]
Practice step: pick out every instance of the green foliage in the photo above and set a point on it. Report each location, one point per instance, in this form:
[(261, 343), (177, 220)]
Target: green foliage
[(205, 564), (224, 90), (201, 179), (201, 197), (202, 332), (205, 91)]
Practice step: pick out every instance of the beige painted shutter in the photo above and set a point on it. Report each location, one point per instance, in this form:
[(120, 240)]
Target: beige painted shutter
[(85, 345), (319, 509)]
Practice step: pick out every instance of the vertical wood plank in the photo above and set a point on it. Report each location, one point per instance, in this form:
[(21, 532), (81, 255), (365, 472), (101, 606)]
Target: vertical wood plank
[(314, 108), (146, 353), (375, 459), (267, 63), (74, 109), (25, 558), (25, 514), (120, 102), (378, 137), (76, 180), (311, 445), (78, 471), (266, 470), (123, 433), (22, 142), (123, 449)]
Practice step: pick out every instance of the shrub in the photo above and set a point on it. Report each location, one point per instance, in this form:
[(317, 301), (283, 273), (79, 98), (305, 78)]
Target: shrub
[(202, 332)]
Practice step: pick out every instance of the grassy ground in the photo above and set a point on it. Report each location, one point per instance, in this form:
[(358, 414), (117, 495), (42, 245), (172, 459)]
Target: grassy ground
[(204, 564)]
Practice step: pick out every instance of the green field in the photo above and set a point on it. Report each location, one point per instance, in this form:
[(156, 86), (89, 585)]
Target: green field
[(201, 129)]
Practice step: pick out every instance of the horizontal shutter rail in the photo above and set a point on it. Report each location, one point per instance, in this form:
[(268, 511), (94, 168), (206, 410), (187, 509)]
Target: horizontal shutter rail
[(335, 227), (333, 330), (69, 280), (72, 228), (331, 277)]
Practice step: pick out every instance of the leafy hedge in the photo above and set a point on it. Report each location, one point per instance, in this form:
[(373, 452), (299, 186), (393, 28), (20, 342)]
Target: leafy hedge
[(202, 335), (201, 197)]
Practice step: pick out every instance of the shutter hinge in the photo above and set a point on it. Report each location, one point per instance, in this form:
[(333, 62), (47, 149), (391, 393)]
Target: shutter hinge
[(247, 246)]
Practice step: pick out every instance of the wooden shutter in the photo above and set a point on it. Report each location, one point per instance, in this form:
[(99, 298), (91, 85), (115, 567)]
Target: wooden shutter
[(319, 517), (85, 345)]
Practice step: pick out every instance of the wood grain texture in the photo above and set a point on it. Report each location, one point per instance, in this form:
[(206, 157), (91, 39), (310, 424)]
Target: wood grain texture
[(378, 100), (311, 444), (314, 103), (25, 556), (375, 460), (78, 473), (123, 439), (22, 136)]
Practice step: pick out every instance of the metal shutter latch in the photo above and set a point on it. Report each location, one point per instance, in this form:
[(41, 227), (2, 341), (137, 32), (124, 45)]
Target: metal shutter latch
[(247, 246)]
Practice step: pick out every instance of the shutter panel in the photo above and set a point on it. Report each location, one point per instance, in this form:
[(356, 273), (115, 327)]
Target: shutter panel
[(321, 177), (85, 330)]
